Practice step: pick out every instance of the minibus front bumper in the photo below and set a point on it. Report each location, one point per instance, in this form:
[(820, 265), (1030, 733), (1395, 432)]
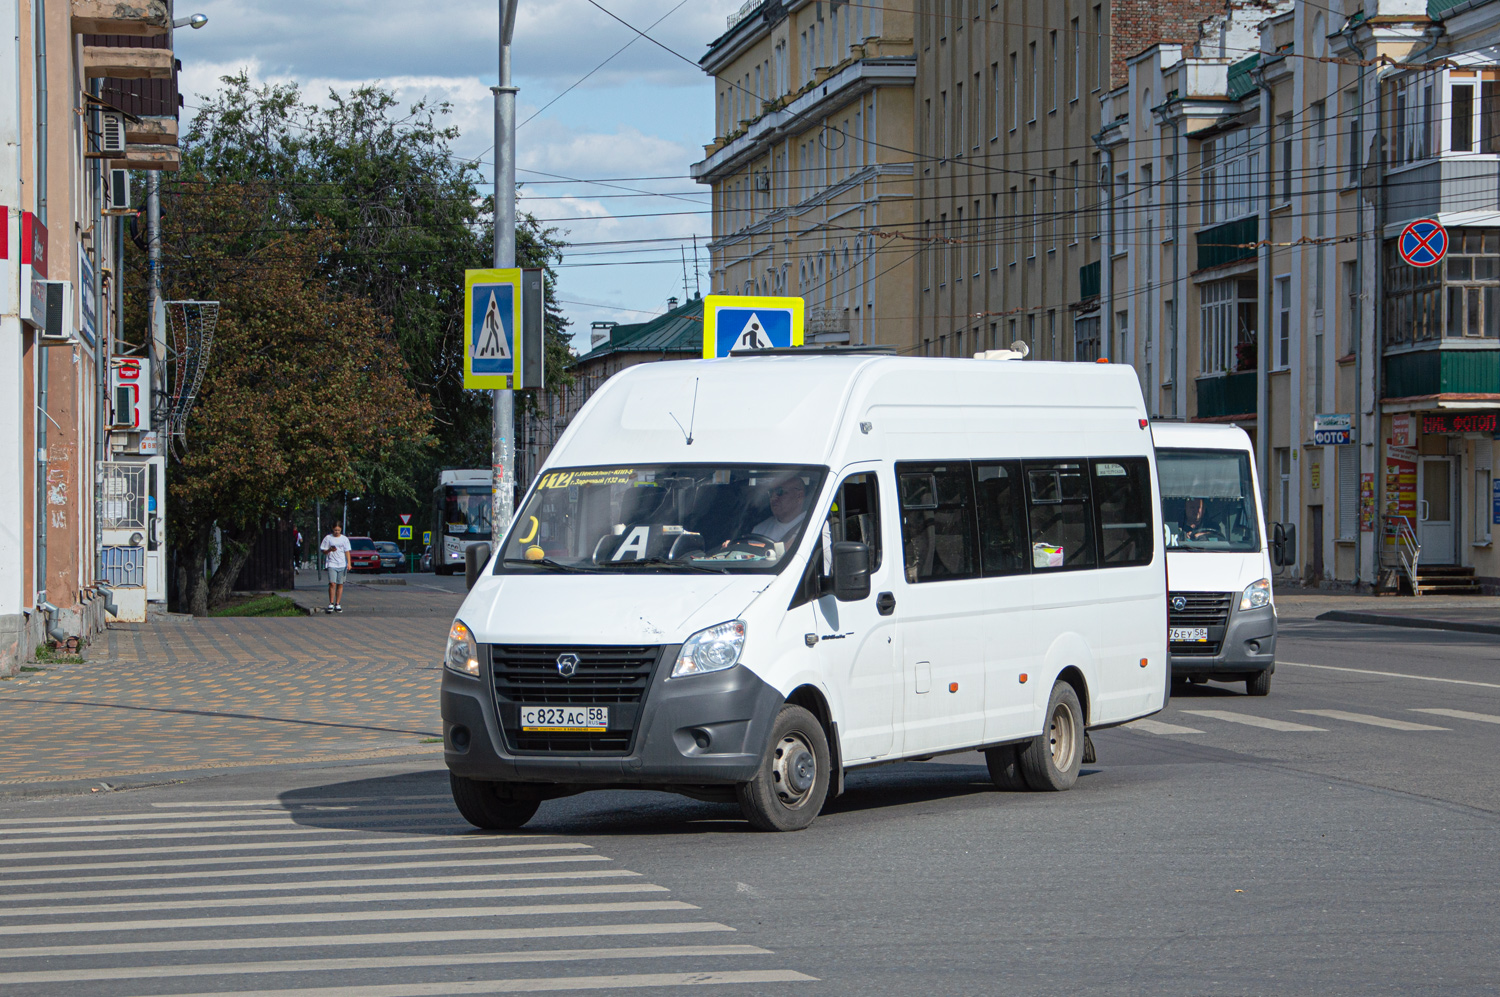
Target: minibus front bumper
[(697, 730), (1247, 649)]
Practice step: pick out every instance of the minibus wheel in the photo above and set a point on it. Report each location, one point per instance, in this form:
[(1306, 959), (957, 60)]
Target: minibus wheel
[(1051, 760), (482, 806), (1259, 684), (1005, 767), (791, 785)]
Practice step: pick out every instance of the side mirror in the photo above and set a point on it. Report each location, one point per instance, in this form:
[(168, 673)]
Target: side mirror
[(851, 571), (475, 558), (1283, 544)]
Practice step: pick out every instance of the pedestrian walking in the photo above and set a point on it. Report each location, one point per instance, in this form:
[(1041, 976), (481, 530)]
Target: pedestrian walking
[(336, 547)]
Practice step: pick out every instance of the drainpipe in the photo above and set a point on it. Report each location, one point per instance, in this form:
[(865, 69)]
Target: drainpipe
[(53, 631), (1347, 32), (1267, 292), (1106, 268)]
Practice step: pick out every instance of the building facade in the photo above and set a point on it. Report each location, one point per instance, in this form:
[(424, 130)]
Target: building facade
[(87, 102), (811, 166)]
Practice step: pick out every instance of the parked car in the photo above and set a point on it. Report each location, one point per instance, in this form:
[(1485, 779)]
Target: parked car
[(363, 556), (425, 562), (391, 558)]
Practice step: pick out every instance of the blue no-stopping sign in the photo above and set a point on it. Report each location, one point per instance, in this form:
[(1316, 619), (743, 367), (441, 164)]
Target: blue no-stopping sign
[(1424, 243)]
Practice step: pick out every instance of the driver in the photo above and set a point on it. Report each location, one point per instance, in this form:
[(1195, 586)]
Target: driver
[(1194, 526), (788, 509)]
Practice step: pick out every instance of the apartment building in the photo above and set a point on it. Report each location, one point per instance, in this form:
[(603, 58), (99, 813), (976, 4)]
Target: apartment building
[(1260, 178), (88, 104), (811, 166)]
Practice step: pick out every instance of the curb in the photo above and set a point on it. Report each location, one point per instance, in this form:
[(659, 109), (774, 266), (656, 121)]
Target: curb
[(1412, 622)]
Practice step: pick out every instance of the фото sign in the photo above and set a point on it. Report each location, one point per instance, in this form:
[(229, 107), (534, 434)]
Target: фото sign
[(1331, 430), (1460, 422), (750, 322)]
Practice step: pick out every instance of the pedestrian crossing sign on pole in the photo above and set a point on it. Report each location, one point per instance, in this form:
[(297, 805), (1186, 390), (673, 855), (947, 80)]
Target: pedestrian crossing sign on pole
[(750, 322), (403, 533), (492, 319)]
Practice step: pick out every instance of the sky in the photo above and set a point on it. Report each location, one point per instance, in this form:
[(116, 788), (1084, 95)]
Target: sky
[(645, 114)]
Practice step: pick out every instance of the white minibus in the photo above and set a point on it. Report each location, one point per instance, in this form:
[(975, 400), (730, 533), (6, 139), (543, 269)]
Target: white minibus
[(1220, 610), (739, 579)]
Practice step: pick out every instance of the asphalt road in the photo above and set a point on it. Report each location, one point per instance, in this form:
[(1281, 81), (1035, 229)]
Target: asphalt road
[(1336, 837)]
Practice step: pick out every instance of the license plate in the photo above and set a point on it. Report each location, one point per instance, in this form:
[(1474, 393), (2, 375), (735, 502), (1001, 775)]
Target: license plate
[(587, 718), (1194, 635)]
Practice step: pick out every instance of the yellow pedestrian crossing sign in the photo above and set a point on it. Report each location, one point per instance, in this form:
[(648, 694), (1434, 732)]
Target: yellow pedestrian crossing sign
[(750, 322), (403, 533), (492, 324)]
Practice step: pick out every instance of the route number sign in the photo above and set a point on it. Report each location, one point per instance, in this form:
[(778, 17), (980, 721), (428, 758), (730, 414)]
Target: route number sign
[(1424, 243)]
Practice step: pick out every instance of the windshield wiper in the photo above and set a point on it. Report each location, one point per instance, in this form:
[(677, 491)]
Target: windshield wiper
[(662, 562), (547, 562)]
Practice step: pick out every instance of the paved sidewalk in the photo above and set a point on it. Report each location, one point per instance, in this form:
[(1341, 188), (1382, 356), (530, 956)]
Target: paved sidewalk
[(179, 694), (1472, 614)]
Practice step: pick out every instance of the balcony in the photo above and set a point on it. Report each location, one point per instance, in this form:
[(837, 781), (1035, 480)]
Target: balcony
[(827, 325), (122, 17), (1228, 243), (1089, 280), (107, 61), (1442, 372), (1226, 395)]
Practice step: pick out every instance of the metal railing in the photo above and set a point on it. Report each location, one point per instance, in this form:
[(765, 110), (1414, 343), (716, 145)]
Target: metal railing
[(1401, 550)]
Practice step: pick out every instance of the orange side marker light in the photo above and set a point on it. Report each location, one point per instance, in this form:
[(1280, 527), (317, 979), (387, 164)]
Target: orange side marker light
[(952, 686), (1143, 662), (1023, 678)]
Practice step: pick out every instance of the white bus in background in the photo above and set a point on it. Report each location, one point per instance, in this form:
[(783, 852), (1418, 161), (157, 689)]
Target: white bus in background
[(1221, 613), (739, 579), (461, 513)]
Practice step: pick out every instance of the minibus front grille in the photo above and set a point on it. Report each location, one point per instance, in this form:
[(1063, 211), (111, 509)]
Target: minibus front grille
[(1203, 609), (614, 676)]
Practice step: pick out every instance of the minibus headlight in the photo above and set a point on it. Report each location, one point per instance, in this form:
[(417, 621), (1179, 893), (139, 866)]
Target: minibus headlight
[(1257, 595), (463, 653), (711, 650)]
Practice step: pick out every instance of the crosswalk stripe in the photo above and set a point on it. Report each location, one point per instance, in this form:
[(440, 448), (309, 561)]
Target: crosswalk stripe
[(467, 861), (323, 884), (1488, 718), (310, 801), (1160, 727), (383, 938), (1250, 720), (341, 916), (457, 842), (1366, 718), (284, 820), (457, 829), (94, 820), (542, 984), (331, 898), (375, 962)]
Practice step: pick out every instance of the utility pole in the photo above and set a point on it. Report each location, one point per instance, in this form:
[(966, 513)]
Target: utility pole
[(503, 424)]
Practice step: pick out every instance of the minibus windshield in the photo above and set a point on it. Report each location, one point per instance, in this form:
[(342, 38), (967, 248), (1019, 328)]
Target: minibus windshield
[(1207, 500), (663, 518)]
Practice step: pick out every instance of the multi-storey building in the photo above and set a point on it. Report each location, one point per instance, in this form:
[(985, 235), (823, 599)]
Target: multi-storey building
[(87, 98), (811, 166)]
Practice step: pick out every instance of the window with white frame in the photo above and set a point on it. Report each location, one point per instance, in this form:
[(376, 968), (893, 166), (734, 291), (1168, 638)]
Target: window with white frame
[(1283, 321), (1227, 321), (1229, 163), (1484, 458)]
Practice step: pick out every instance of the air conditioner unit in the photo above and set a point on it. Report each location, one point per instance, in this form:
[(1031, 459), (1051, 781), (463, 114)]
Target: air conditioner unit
[(119, 189), (111, 131), (58, 328)]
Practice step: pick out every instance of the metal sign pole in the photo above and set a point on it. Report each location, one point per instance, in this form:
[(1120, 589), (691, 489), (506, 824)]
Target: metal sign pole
[(502, 430)]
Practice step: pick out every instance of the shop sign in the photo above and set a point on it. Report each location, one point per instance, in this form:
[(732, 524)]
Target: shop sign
[(1460, 422), (1332, 430), (1402, 434), (1401, 485), (1495, 509), (1367, 502)]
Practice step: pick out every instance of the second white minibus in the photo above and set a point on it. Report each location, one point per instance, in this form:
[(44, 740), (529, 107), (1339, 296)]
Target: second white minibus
[(739, 579)]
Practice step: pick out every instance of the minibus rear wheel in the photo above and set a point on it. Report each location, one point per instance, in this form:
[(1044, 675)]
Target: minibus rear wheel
[(482, 806), (1051, 760), (791, 786)]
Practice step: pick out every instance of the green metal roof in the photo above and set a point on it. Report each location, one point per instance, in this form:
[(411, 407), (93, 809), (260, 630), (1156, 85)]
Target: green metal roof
[(678, 331), (1437, 8), (1240, 81)]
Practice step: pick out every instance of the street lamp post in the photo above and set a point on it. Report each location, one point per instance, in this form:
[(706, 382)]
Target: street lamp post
[(502, 430)]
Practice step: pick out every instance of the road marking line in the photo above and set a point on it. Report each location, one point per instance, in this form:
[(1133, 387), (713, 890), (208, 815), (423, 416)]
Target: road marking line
[(311, 850), (1253, 721), (1488, 718), (532, 985), (331, 898), (374, 962), (1391, 675), (303, 802), (286, 821), (460, 830), (340, 916), (1373, 721), (385, 938), (325, 884), (94, 820), (1160, 727), (467, 862)]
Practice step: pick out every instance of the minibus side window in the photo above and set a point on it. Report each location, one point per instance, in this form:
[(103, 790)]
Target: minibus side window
[(855, 515), (1122, 505), (937, 521), (1004, 544), (1058, 507)]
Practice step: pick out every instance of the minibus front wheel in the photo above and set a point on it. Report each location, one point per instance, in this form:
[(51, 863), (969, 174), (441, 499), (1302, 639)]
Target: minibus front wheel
[(791, 785), (1050, 762), (483, 806)]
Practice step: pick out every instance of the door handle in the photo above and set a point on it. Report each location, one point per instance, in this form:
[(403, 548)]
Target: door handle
[(885, 603), (1422, 510)]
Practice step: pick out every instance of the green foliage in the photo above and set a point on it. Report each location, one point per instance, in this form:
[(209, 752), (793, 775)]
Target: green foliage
[(261, 605)]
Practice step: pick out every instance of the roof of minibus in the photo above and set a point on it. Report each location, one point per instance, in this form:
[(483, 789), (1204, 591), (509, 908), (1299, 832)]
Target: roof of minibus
[(1203, 436), (792, 409)]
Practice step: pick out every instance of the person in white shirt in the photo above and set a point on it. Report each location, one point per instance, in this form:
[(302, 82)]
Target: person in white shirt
[(336, 547), (788, 509)]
